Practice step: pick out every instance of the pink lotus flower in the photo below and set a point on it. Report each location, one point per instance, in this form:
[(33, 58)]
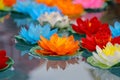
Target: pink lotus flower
[(93, 4)]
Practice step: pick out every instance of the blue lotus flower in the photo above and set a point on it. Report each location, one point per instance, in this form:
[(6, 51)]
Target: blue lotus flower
[(33, 9), (115, 30), (32, 35)]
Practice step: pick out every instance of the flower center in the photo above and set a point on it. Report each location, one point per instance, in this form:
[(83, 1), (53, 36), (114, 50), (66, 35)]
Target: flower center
[(90, 24), (110, 50)]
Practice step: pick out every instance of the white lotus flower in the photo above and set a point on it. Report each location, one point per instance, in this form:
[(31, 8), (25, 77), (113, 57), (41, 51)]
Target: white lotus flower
[(55, 19), (109, 56)]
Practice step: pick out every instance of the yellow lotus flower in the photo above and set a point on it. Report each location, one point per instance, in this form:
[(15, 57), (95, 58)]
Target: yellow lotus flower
[(58, 46), (1, 5), (109, 56)]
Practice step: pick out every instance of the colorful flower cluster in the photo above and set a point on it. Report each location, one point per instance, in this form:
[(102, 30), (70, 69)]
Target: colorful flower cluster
[(72, 11), (96, 33), (102, 40)]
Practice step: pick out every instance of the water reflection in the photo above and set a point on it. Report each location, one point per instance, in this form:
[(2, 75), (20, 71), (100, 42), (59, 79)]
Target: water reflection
[(60, 70), (61, 64)]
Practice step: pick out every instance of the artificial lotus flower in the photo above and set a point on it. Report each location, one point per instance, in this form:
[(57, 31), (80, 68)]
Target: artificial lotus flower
[(74, 10), (106, 57), (47, 2), (101, 38), (1, 5), (88, 27), (9, 3), (6, 4), (55, 18), (32, 35), (115, 30), (3, 59), (58, 46), (90, 4), (33, 9)]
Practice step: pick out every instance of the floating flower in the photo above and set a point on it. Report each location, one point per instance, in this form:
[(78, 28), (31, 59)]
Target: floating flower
[(70, 9), (9, 3), (33, 9), (47, 2), (3, 59), (90, 4), (89, 27), (101, 38), (55, 18), (32, 35), (58, 46), (74, 10), (6, 3), (115, 30), (106, 57), (1, 5)]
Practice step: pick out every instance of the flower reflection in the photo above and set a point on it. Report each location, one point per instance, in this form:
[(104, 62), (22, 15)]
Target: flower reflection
[(61, 64)]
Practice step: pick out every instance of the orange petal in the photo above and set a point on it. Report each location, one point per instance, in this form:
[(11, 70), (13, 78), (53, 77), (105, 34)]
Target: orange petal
[(43, 52)]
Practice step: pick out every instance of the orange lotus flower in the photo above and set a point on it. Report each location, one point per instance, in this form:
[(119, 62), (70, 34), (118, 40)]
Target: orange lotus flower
[(9, 3), (69, 8), (47, 2), (58, 46), (66, 6)]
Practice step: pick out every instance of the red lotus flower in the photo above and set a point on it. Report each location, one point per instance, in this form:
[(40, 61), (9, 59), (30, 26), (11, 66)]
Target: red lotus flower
[(3, 59), (88, 27), (101, 38)]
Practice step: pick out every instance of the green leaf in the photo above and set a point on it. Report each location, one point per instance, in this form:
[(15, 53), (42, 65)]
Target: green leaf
[(22, 44), (18, 15), (10, 63), (97, 10), (91, 61), (77, 36), (86, 53), (36, 55), (3, 13), (115, 71)]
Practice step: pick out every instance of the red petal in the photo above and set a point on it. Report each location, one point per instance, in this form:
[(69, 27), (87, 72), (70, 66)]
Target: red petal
[(88, 43), (2, 53), (116, 40)]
